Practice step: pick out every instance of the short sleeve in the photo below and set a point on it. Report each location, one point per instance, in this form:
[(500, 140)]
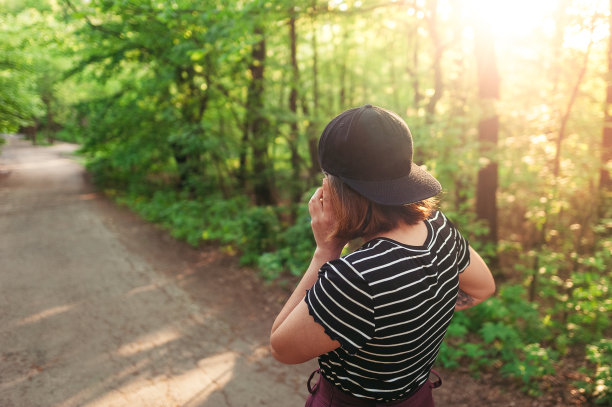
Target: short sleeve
[(463, 252), (341, 302)]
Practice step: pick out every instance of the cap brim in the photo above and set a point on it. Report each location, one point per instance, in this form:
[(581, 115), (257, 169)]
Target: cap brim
[(414, 187)]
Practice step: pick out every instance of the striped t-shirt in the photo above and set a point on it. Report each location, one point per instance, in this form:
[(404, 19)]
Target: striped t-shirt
[(389, 305)]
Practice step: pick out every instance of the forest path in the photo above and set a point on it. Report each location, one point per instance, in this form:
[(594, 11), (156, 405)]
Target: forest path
[(99, 308)]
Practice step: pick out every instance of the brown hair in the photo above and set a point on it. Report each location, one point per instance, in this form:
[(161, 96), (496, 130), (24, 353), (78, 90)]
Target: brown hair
[(358, 216)]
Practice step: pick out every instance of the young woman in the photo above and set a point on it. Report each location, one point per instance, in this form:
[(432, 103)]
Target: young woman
[(376, 318)]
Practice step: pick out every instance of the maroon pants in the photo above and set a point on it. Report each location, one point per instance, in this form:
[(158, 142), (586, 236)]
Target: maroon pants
[(325, 394)]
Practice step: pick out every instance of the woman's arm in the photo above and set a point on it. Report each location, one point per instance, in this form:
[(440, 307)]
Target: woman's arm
[(476, 283), (295, 336), (319, 258)]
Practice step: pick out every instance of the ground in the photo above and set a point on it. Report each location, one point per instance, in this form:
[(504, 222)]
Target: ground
[(100, 308)]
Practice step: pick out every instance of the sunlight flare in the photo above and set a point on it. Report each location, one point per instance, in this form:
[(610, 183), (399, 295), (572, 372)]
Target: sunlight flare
[(517, 18)]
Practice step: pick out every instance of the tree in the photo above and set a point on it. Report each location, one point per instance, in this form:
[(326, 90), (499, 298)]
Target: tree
[(488, 127), (312, 135), (438, 50), (257, 124), (296, 161), (605, 183), (20, 103)]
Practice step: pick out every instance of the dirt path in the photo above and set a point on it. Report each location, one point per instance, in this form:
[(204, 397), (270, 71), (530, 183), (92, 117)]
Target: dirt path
[(98, 308)]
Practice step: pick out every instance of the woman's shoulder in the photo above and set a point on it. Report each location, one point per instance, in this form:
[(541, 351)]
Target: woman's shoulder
[(436, 216), (439, 219)]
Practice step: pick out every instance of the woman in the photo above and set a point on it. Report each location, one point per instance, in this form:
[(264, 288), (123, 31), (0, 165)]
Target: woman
[(376, 318)]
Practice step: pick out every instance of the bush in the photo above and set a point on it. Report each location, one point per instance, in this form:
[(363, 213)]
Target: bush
[(599, 385), (525, 340), (260, 230), (506, 333), (256, 233), (294, 249)]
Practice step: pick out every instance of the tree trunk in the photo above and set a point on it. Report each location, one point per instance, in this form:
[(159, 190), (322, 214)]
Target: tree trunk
[(560, 18), (488, 127), (312, 130), (242, 158), (342, 81), (258, 126), (414, 70), (486, 202), (568, 110), (187, 155), (295, 185), (605, 183), (184, 163), (430, 109)]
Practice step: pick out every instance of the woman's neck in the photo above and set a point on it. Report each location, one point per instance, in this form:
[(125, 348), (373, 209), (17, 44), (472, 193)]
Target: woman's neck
[(412, 235)]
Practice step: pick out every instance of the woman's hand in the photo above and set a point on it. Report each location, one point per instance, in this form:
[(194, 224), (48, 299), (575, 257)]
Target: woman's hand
[(323, 220)]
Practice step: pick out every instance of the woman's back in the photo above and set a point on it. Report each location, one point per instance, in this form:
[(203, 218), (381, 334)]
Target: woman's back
[(389, 305)]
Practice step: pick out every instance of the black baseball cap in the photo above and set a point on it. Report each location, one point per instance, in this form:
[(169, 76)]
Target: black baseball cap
[(370, 149)]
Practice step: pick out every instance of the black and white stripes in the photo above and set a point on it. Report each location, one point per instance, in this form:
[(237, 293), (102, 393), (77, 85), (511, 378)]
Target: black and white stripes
[(389, 306)]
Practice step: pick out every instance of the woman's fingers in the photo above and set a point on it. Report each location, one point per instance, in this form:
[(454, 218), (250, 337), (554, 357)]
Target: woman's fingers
[(322, 220), (316, 201), (319, 224)]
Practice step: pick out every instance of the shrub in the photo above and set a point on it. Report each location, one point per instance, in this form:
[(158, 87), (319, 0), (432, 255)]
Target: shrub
[(294, 249), (599, 385), (505, 332)]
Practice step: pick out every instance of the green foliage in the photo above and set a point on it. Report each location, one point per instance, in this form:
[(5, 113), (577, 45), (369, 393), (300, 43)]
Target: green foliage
[(208, 220), (526, 340), (181, 217), (34, 45), (253, 232), (575, 292), (599, 386), (19, 103), (293, 250), (506, 333), (223, 222), (260, 229)]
